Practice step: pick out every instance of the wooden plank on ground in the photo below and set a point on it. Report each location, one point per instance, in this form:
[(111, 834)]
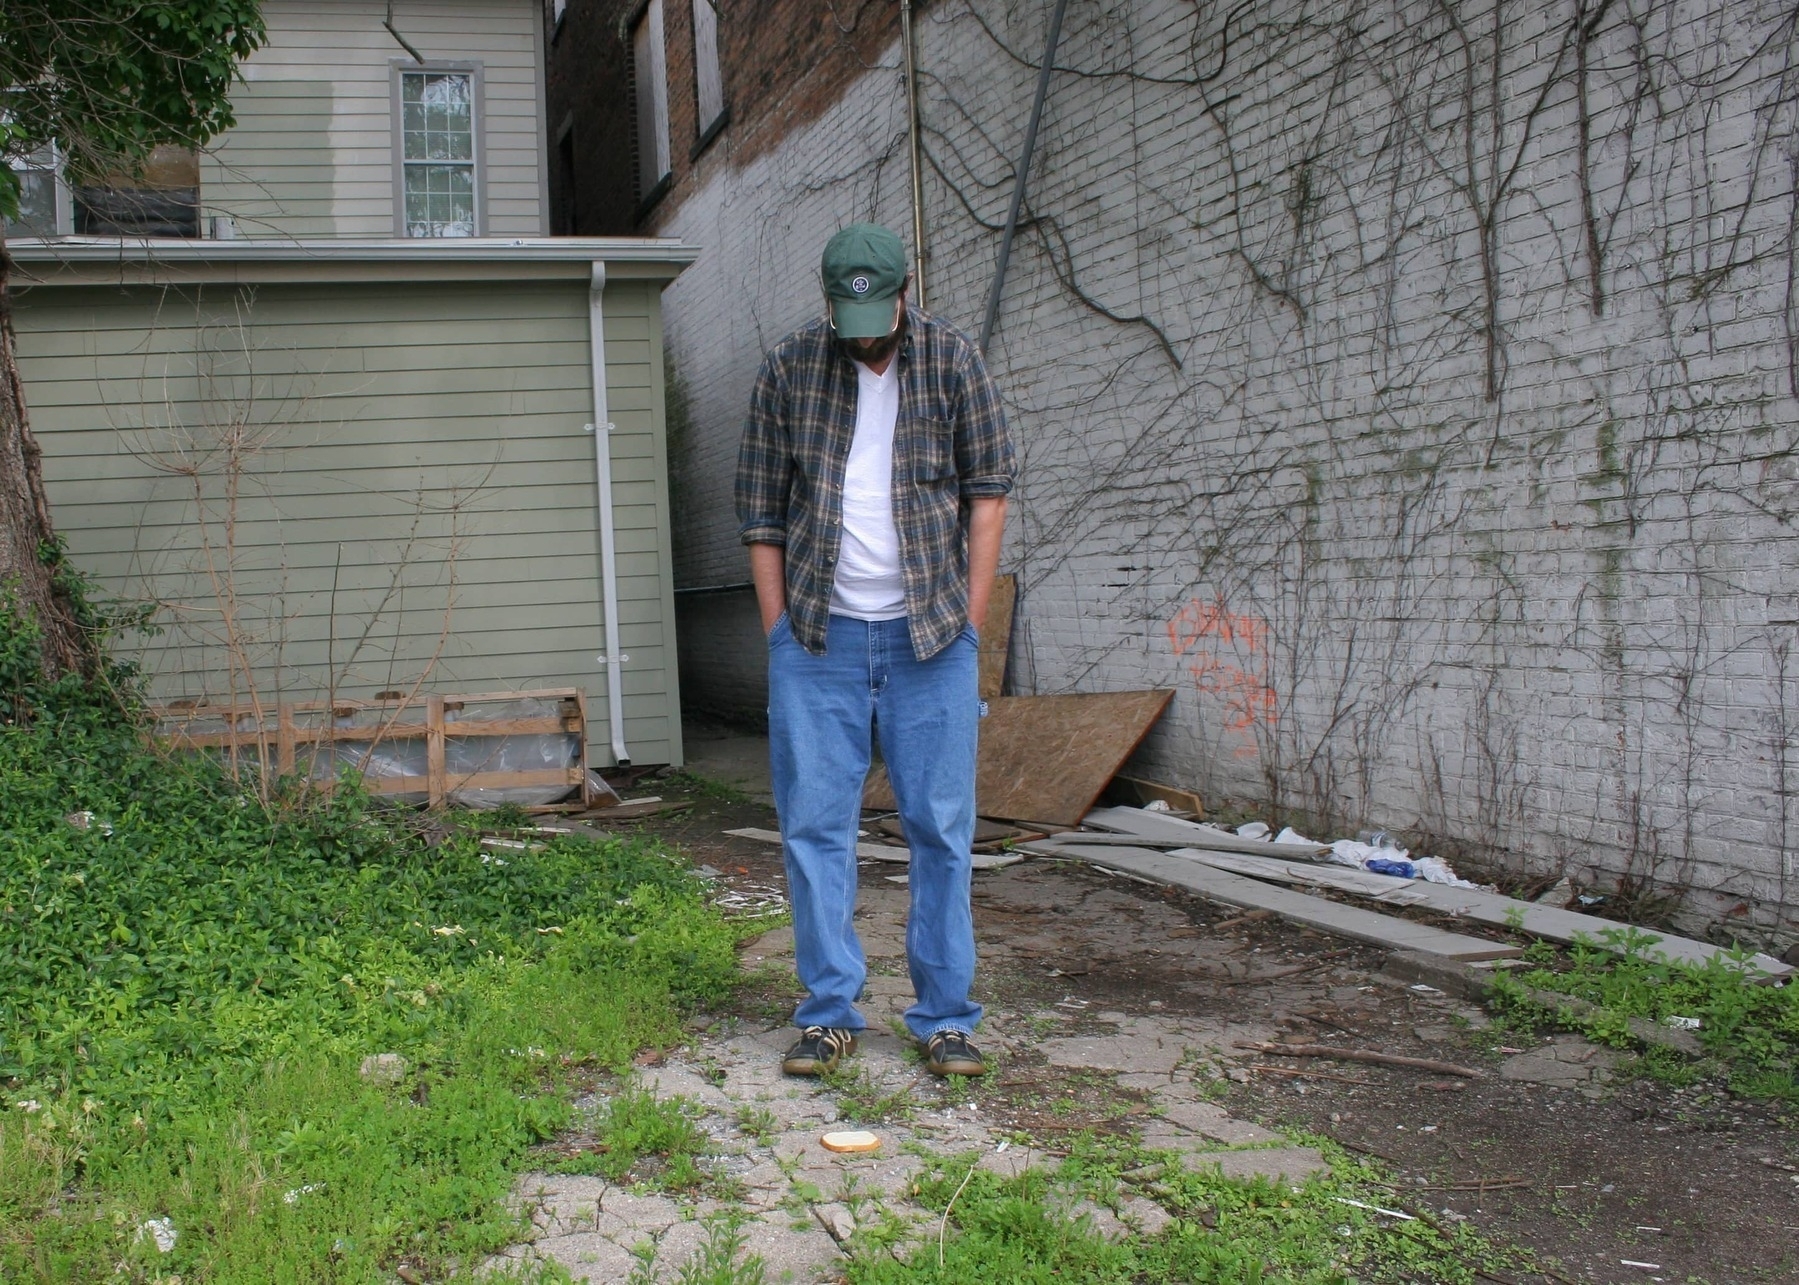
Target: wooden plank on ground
[(996, 635), (985, 831), (1163, 828), (1315, 912), (884, 852), (1046, 758), (1472, 903)]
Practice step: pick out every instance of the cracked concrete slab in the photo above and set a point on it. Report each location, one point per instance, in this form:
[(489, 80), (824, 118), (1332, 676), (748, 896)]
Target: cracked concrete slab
[(799, 1207), (1568, 1061)]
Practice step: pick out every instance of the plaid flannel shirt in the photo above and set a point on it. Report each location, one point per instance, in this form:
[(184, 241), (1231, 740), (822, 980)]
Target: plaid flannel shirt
[(949, 446)]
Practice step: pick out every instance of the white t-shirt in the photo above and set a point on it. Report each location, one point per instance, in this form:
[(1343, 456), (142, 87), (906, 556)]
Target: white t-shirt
[(869, 585)]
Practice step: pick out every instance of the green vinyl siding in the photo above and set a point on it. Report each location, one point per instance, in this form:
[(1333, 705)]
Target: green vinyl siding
[(414, 485)]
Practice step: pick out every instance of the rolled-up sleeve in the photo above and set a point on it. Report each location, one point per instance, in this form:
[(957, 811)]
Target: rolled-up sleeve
[(764, 461), (985, 463)]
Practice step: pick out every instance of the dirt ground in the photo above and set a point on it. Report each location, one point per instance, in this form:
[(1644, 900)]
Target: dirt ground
[(1556, 1145)]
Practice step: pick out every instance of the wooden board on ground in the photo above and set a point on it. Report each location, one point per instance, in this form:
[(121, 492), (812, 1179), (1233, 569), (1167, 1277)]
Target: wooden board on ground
[(884, 852), (996, 636), (1472, 903), (1163, 830), (1046, 758), (1315, 912), (985, 831), (637, 810)]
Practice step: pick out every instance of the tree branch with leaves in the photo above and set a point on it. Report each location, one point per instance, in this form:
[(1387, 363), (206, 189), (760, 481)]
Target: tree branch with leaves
[(103, 83)]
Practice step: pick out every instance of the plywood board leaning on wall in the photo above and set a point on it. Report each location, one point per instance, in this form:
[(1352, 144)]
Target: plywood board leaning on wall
[(996, 635), (1046, 758)]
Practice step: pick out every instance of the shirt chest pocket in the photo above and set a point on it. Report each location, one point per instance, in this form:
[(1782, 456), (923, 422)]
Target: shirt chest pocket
[(932, 447)]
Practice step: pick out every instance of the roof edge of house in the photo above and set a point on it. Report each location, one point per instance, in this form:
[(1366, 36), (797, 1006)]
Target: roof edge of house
[(88, 260)]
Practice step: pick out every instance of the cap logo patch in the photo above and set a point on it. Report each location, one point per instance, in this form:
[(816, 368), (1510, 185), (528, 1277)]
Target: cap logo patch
[(859, 285)]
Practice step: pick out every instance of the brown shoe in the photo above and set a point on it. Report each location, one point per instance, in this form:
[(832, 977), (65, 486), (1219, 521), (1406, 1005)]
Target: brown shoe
[(953, 1053), (818, 1050)]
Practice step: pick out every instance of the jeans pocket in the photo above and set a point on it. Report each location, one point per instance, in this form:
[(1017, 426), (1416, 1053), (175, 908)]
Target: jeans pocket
[(774, 631)]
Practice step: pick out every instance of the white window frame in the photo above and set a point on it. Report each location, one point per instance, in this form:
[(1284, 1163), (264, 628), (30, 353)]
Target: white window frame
[(64, 215), (649, 45), (400, 68), (710, 110)]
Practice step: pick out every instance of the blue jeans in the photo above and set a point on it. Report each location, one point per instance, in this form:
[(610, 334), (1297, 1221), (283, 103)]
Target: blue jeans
[(821, 713)]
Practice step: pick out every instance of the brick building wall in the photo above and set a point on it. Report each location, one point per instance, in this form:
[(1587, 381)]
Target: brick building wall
[(1411, 386)]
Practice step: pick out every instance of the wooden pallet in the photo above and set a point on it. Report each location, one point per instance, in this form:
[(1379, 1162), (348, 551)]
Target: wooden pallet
[(302, 731)]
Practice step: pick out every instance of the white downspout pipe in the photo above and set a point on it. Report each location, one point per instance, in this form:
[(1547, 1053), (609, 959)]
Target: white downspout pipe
[(601, 428)]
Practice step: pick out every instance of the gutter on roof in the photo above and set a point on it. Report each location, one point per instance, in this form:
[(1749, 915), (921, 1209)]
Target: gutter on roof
[(114, 261)]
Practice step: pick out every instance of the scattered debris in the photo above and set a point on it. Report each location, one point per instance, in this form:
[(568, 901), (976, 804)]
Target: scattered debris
[(1480, 906), (161, 1231), (1359, 1055), (1132, 792), (88, 821), (985, 831), (383, 1068), (751, 901), (1560, 894), (851, 1141), (1317, 912), (885, 852), (1390, 1213), (1194, 834), (1298, 1074), (1248, 917)]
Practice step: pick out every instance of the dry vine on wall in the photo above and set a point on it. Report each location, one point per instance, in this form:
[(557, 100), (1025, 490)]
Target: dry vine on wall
[(1413, 382)]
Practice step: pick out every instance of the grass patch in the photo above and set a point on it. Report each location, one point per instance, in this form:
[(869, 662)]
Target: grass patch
[(1750, 1033), (643, 1139), (190, 984), (702, 787), (1032, 1228), (860, 1100)]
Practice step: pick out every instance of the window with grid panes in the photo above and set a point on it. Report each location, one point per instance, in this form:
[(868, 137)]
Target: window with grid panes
[(437, 137), (38, 205)]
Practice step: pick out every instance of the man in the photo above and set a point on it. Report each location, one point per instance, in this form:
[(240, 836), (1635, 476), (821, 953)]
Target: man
[(871, 489)]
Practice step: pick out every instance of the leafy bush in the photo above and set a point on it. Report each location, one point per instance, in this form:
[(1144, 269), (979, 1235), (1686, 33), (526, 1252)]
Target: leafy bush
[(190, 981)]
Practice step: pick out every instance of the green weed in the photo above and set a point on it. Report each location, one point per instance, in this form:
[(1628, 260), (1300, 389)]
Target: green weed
[(1225, 1231), (702, 787), (861, 1101), (645, 1139), (758, 1123), (1750, 1031), (191, 980)]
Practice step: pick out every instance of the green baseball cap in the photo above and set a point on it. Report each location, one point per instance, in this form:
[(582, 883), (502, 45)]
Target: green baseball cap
[(864, 269)]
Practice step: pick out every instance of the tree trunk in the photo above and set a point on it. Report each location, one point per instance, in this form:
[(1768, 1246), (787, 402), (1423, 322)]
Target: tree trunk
[(29, 555)]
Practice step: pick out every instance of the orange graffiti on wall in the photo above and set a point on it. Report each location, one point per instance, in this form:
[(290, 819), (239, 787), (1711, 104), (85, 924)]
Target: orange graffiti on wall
[(1205, 630)]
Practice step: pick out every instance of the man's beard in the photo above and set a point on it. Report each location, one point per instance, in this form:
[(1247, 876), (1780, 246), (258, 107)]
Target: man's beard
[(869, 351)]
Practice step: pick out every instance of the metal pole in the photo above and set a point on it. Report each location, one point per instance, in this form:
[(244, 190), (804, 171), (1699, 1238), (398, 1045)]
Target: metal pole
[(918, 296), (1024, 169)]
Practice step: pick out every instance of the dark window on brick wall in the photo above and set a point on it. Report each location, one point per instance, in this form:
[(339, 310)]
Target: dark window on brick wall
[(708, 77), (649, 83), (564, 217)]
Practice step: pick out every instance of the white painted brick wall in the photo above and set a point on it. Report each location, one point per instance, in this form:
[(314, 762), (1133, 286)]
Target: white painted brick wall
[(1556, 626)]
